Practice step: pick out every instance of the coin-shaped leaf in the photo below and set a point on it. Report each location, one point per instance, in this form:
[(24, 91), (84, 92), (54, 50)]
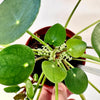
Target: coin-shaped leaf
[(16, 16), (76, 80), (16, 64), (96, 39), (54, 73), (55, 35), (29, 89), (75, 47)]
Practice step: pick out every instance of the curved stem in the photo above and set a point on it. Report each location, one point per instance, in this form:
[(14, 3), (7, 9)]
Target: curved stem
[(41, 87), (39, 40), (69, 64), (72, 13), (82, 97), (91, 57), (94, 87), (86, 28), (66, 65), (56, 91), (41, 77), (39, 58), (62, 65), (87, 61)]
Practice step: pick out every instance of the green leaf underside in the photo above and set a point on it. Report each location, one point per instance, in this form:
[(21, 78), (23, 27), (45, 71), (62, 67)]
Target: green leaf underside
[(29, 89), (16, 64), (12, 89), (16, 16), (54, 73), (76, 80), (95, 39), (20, 96), (56, 35), (75, 47)]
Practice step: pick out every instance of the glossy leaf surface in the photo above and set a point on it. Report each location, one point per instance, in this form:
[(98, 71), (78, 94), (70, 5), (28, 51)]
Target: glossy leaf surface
[(95, 39), (16, 16), (54, 73), (12, 89), (16, 64), (76, 80), (29, 89), (56, 35), (75, 47)]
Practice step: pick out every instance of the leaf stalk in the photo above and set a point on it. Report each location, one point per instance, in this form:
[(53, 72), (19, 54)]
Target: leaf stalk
[(56, 91), (69, 18), (39, 40), (86, 28)]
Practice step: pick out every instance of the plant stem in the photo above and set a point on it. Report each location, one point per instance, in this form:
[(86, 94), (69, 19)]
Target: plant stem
[(72, 13), (39, 40), (62, 65), (41, 77), (91, 57), (39, 58), (82, 97), (94, 87), (86, 28), (56, 91), (69, 64), (66, 65), (87, 61), (41, 87), (53, 54)]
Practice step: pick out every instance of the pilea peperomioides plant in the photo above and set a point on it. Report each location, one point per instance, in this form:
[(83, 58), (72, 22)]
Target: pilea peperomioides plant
[(17, 61)]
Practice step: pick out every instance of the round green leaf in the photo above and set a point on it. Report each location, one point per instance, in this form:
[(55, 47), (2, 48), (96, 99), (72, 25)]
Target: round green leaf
[(95, 39), (55, 35), (75, 47), (54, 73), (76, 80), (12, 89), (16, 16), (16, 64), (29, 89)]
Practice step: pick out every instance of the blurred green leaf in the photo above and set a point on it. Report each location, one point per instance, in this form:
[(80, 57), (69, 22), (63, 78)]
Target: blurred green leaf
[(95, 39), (20, 96), (75, 47), (16, 16), (16, 64), (56, 35), (54, 73), (76, 80), (12, 89), (35, 77), (29, 89)]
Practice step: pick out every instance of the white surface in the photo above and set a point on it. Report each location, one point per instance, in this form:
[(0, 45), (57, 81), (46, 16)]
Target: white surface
[(57, 11)]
